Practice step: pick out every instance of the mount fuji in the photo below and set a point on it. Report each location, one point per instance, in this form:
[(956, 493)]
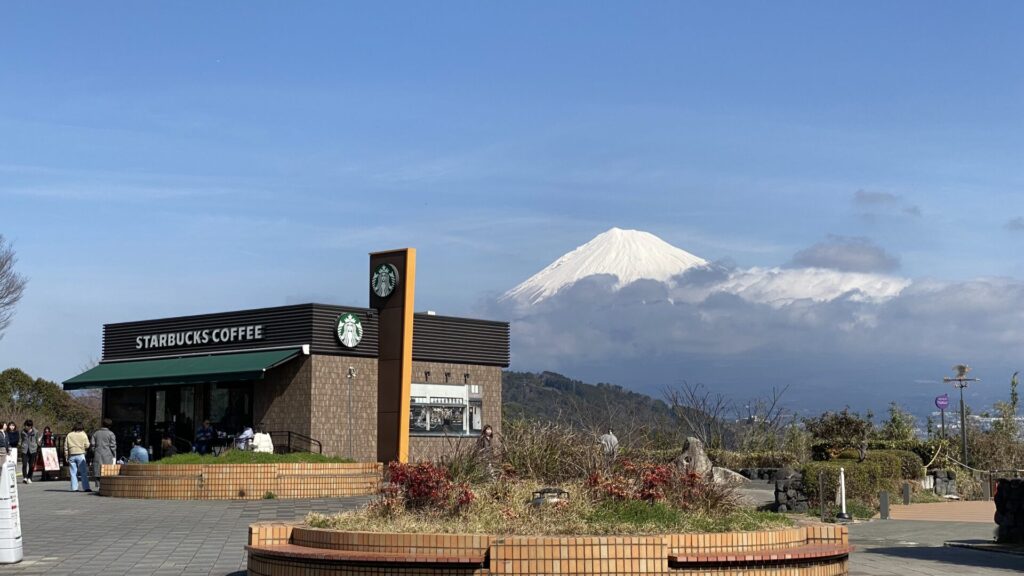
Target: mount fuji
[(629, 255), (632, 255)]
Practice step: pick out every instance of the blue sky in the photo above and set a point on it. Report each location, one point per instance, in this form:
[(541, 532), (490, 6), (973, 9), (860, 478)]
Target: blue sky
[(195, 157)]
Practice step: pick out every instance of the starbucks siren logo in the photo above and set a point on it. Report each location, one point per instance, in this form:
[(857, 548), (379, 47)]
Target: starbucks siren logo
[(384, 280), (350, 330)]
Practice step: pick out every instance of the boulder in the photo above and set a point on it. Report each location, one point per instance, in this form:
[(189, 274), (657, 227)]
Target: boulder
[(694, 459), (726, 476)]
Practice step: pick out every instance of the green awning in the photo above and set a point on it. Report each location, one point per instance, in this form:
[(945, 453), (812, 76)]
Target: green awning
[(187, 370)]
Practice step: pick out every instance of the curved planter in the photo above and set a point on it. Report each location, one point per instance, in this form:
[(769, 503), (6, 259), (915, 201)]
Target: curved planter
[(240, 481), (281, 549)]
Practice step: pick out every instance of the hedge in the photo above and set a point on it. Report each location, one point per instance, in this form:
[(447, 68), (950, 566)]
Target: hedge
[(864, 480), (739, 460), (911, 467)]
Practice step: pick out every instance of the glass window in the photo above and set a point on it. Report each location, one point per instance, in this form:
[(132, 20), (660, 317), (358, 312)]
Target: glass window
[(230, 406), (442, 409)]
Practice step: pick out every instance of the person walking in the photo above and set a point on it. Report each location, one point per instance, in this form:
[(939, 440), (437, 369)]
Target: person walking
[(75, 445), (29, 451), (104, 448)]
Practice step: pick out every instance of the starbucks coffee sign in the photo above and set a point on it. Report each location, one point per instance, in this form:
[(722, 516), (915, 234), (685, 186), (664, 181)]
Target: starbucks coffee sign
[(384, 280), (350, 330)]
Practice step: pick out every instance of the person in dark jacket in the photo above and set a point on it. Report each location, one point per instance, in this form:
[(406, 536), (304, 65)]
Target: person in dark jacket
[(29, 451), (13, 438)]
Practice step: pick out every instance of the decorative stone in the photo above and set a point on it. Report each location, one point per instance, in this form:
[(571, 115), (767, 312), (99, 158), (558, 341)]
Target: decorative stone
[(694, 459)]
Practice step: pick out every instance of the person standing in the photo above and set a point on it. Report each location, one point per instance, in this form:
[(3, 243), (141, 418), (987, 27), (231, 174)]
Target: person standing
[(29, 451), (75, 445), (13, 438), (104, 446)]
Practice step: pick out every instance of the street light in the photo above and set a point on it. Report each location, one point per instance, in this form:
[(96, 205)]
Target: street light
[(960, 381)]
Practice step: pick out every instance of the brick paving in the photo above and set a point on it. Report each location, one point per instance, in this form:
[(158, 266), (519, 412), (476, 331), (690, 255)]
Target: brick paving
[(981, 511), (84, 534)]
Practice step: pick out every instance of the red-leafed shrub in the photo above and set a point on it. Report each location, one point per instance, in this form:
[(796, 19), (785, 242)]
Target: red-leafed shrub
[(631, 481), (423, 486)]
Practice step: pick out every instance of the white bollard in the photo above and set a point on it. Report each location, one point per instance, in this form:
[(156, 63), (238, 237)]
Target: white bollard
[(842, 495), (10, 516)]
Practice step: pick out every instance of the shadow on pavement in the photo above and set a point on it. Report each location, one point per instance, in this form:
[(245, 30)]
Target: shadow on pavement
[(951, 556)]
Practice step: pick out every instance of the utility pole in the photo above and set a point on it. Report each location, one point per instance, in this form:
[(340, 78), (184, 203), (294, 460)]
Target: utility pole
[(961, 381)]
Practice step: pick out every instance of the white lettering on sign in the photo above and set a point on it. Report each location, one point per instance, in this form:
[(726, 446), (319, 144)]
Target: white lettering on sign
[(200, 337)]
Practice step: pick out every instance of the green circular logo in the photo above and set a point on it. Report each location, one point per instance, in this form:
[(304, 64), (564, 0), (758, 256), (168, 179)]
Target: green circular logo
[(350, 330), (384, 280)]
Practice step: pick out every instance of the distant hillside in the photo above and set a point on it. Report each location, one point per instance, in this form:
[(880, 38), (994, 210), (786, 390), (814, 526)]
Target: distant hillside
[(552, 397)]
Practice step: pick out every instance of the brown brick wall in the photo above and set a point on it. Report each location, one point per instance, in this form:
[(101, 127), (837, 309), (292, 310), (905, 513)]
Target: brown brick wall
[(489, 379), (283, 400), (310, 396), (329, 417), (577, 555)]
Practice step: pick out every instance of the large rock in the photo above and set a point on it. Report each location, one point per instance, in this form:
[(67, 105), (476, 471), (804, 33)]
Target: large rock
[(694, 459), (727, 477)]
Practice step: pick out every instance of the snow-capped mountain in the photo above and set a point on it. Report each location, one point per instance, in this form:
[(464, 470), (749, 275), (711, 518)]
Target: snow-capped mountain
[(629, 255)]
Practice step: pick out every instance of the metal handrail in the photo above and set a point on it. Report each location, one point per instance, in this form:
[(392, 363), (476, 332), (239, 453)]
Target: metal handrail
[(289, 446)]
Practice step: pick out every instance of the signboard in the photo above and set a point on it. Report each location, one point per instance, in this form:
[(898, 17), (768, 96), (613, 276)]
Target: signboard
[(199, 337), (349, 330), (942, 402), (50, 462), (10, 516), (384, 280)]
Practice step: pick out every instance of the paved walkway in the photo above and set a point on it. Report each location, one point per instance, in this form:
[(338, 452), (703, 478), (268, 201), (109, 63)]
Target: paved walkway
[(981, 511), (915, 548), (84, 534)]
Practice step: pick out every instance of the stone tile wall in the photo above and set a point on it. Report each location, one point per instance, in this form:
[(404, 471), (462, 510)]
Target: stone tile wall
[(241, 481), (283, 400), (489, 380), (343, 433)]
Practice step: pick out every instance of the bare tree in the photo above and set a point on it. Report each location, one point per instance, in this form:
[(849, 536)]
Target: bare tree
[(701, 410), (12, 284), (765, 421)]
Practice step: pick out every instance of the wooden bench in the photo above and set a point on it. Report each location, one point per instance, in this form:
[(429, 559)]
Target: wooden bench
[(326, 555), (805, 554)]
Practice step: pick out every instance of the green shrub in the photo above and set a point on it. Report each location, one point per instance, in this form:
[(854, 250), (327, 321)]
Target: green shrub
[(911, 465), (864, 480), (763, 459), (849, 455), (890, 465)]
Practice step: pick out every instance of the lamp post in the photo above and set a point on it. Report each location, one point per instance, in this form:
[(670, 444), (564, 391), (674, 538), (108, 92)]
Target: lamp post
[(961, 381)]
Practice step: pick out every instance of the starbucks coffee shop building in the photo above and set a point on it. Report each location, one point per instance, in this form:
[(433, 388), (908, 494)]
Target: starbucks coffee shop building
[(379, 383)]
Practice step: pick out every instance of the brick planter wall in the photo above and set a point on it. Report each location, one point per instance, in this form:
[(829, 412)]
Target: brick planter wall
[(240, 481), (270, 543)]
